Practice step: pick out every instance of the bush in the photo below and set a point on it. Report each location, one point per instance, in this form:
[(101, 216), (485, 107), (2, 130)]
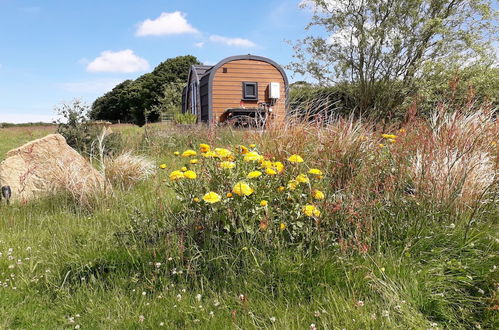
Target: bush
[(79, 132), (185, 118)]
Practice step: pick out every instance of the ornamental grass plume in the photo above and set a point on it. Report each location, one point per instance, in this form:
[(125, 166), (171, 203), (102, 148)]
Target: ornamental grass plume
[(454, 162), (127, 169)]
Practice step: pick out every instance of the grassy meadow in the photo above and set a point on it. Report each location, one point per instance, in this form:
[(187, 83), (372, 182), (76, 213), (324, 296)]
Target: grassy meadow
[(369, 228)]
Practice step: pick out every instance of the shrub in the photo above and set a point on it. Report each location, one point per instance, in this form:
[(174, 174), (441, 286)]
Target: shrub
[(185, 118), (79, 132)]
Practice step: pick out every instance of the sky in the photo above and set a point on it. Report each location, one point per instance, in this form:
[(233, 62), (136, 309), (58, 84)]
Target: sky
[(53, 51)]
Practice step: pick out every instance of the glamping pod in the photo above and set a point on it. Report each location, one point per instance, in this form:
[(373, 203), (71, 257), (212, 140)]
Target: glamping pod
[(242, 90)]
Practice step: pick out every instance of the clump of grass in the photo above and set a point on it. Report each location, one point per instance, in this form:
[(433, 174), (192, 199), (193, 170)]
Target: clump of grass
[(126, 170)]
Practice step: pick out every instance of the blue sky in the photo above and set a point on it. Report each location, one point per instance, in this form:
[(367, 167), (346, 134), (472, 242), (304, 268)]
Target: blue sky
[(56, 50)]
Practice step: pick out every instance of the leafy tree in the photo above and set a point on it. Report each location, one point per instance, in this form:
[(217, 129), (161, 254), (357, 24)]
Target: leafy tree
[(385, 47), (137, 101)]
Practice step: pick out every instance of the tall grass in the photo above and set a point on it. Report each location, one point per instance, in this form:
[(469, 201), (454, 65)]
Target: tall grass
[(408, 238)]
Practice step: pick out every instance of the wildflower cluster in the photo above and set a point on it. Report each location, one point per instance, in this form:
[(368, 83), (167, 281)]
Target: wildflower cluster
[(240, 190)]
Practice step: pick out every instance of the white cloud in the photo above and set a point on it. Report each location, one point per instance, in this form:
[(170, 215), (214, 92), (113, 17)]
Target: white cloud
[(238, 42), (199, 44), (100, 86), (121, 61), (165, 24)]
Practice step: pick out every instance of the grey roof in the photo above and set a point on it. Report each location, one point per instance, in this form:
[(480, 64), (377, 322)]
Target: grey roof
[(201, 69)]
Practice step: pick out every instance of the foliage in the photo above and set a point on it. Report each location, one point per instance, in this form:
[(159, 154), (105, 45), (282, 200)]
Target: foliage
[(384, 49), (396, 255), (185, 118), (139, 101), (79, 132), (171, 101)]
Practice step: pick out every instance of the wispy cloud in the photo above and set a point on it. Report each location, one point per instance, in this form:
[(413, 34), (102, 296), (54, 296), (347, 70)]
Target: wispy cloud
[(199, 44), (237, 42), (99, 86), (166, 24), (124, 61)]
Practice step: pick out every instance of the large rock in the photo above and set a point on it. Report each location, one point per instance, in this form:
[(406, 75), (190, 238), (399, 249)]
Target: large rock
[(48, 165)]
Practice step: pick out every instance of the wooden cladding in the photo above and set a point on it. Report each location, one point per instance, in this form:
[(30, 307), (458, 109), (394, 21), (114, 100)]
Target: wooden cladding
[(227, 89)]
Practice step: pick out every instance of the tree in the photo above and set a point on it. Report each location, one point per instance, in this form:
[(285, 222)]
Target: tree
[(384, 47), (137, 101)]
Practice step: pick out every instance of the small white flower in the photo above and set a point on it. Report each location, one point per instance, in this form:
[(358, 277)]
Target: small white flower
[(313, 327), (157, 265), (241, 297), (272, 319), (216, 303), (480, 291), (77, 326), (179, 296), (144, 293), (360, 303), (71, 319), (161, 324), (317, 313), (452, 226), (141, 318), (385, 314), (198, 297), (212, 314)]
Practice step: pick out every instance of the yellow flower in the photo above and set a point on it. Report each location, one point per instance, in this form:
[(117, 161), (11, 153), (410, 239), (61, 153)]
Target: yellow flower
[(183, 169), (227, 165), (212, 197), (389, 136), (254, 174), (196, 199), (302, 178), (163, 166), (402, 130), (252, 156), (315, 172), (176, 153), (209, 154), (222, 152), (281, 188), (278, 166), (311, 210), (270, 171), (295, 159), (282, 226), (252, 145), (189, 153), (392, 140), (493, 143), (229, 195), (204, 147), (190, 175), (242, 189), (266, 164), (193, 161), (242, 149), (381, 145), (176, 175), (264, 203), (317, 194), (292, 184)]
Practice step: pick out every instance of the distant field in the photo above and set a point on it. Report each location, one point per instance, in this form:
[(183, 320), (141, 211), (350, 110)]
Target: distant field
[(13, 137)]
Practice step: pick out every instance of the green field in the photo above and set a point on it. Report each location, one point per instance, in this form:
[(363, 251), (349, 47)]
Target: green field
[(380, 256)]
